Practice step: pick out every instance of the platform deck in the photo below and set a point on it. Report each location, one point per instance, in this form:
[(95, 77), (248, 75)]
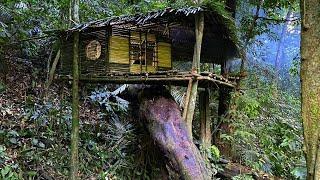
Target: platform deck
[(176, 78)]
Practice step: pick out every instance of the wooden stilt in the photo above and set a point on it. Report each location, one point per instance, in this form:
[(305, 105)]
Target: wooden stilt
[(75, 110), (205, 122), (199, 23), (191, 104), (186, 101), (53, 69)]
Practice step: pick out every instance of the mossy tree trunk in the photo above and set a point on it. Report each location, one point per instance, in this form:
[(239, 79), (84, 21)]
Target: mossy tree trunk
[(74, 17), (310, 84), (74, 162)]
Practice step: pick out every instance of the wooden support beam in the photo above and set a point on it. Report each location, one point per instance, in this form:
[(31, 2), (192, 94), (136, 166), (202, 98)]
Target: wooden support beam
[(191, 103), (205, 121), (199, 25), (186, 100), (53, 69), (75, 109)]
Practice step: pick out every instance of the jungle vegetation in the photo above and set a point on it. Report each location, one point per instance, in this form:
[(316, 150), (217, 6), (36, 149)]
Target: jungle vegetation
[(272, 131)]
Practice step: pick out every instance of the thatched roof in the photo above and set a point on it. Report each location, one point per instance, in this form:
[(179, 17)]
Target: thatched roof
[(219, 40)]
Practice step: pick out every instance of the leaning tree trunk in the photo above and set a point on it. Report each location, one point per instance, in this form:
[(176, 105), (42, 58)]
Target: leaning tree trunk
[(166, 126), (310, 84)]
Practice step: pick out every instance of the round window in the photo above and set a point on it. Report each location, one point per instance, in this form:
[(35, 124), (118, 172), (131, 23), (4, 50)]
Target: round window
[(93, 50)]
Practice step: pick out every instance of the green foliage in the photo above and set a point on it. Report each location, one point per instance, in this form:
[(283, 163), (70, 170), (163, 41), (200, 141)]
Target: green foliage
[(267, 124), (130, 151), (2, 87), (271, 13), (268, 131), (8, 170), (243, 177), (214, 153), (8, 173), (299, 173), (295, 68), (218, 7)]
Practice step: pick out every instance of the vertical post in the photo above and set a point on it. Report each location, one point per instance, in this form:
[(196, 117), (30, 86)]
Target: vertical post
[(224, 126), (205, 123), (75, 109), (74, 162), (140, 52), (145, 52), (108, 35), (193, 87)]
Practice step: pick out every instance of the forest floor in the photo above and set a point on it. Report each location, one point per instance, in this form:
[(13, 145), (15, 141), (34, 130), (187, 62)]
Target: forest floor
[(35, 124), (35, 131)]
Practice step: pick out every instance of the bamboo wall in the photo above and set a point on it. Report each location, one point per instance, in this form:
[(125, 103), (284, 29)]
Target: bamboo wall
[(127, 52), (164, 55), (119, 50)]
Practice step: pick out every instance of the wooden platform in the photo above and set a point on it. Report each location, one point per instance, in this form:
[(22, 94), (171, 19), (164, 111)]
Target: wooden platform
[(206, 79)]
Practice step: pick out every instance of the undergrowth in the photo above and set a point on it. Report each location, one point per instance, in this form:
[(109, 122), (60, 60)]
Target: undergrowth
[(267, 127)]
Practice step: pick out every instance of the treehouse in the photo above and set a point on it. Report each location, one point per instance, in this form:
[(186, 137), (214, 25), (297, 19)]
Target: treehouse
[(143, 48)]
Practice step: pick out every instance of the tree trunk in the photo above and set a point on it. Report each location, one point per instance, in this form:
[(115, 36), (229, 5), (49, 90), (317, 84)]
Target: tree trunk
[(74, 163), (310, 84), (224, 123), (166, 126), (224, 102), (74, 12), (280, 44)]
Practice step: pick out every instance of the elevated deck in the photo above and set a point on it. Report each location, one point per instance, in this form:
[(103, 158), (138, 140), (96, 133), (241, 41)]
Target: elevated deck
[(176, 78)]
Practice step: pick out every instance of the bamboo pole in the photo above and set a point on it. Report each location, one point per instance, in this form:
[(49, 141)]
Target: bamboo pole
[(74, 165)]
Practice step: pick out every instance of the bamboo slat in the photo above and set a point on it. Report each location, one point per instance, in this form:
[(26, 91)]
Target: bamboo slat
[(164, 54), (119, 48), (135, 68)]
